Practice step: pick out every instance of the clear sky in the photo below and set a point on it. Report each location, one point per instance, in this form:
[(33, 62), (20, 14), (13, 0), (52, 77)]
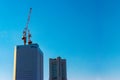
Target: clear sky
[(85, 32)]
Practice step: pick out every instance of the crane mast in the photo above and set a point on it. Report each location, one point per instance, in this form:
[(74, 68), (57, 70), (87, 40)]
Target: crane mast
[(27, 31)]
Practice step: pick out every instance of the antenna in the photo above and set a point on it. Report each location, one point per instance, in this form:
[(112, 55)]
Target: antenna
[(24, 38)]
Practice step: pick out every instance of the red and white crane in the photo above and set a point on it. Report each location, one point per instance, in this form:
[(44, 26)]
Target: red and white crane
[(27, 31)]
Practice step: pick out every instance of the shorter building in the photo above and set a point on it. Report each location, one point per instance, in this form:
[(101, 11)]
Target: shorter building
[(57, 69)]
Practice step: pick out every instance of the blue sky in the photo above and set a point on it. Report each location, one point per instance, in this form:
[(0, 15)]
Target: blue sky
[(85, 32)]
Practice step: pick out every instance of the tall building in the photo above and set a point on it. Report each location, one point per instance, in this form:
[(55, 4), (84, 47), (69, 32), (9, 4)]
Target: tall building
[(57, 69), (28, 62)]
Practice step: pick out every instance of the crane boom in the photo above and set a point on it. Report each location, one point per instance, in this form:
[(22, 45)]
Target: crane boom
[(28, 20), (26, 30)]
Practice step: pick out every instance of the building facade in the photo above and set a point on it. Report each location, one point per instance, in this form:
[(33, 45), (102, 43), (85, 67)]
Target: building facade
[(57, 69), (28, 62)]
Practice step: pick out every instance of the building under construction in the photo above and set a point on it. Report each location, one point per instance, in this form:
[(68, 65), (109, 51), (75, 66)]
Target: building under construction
[(28, 58)]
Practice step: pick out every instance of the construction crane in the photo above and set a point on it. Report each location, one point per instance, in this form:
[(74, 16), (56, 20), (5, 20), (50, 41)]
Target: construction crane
[(26, 30)]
